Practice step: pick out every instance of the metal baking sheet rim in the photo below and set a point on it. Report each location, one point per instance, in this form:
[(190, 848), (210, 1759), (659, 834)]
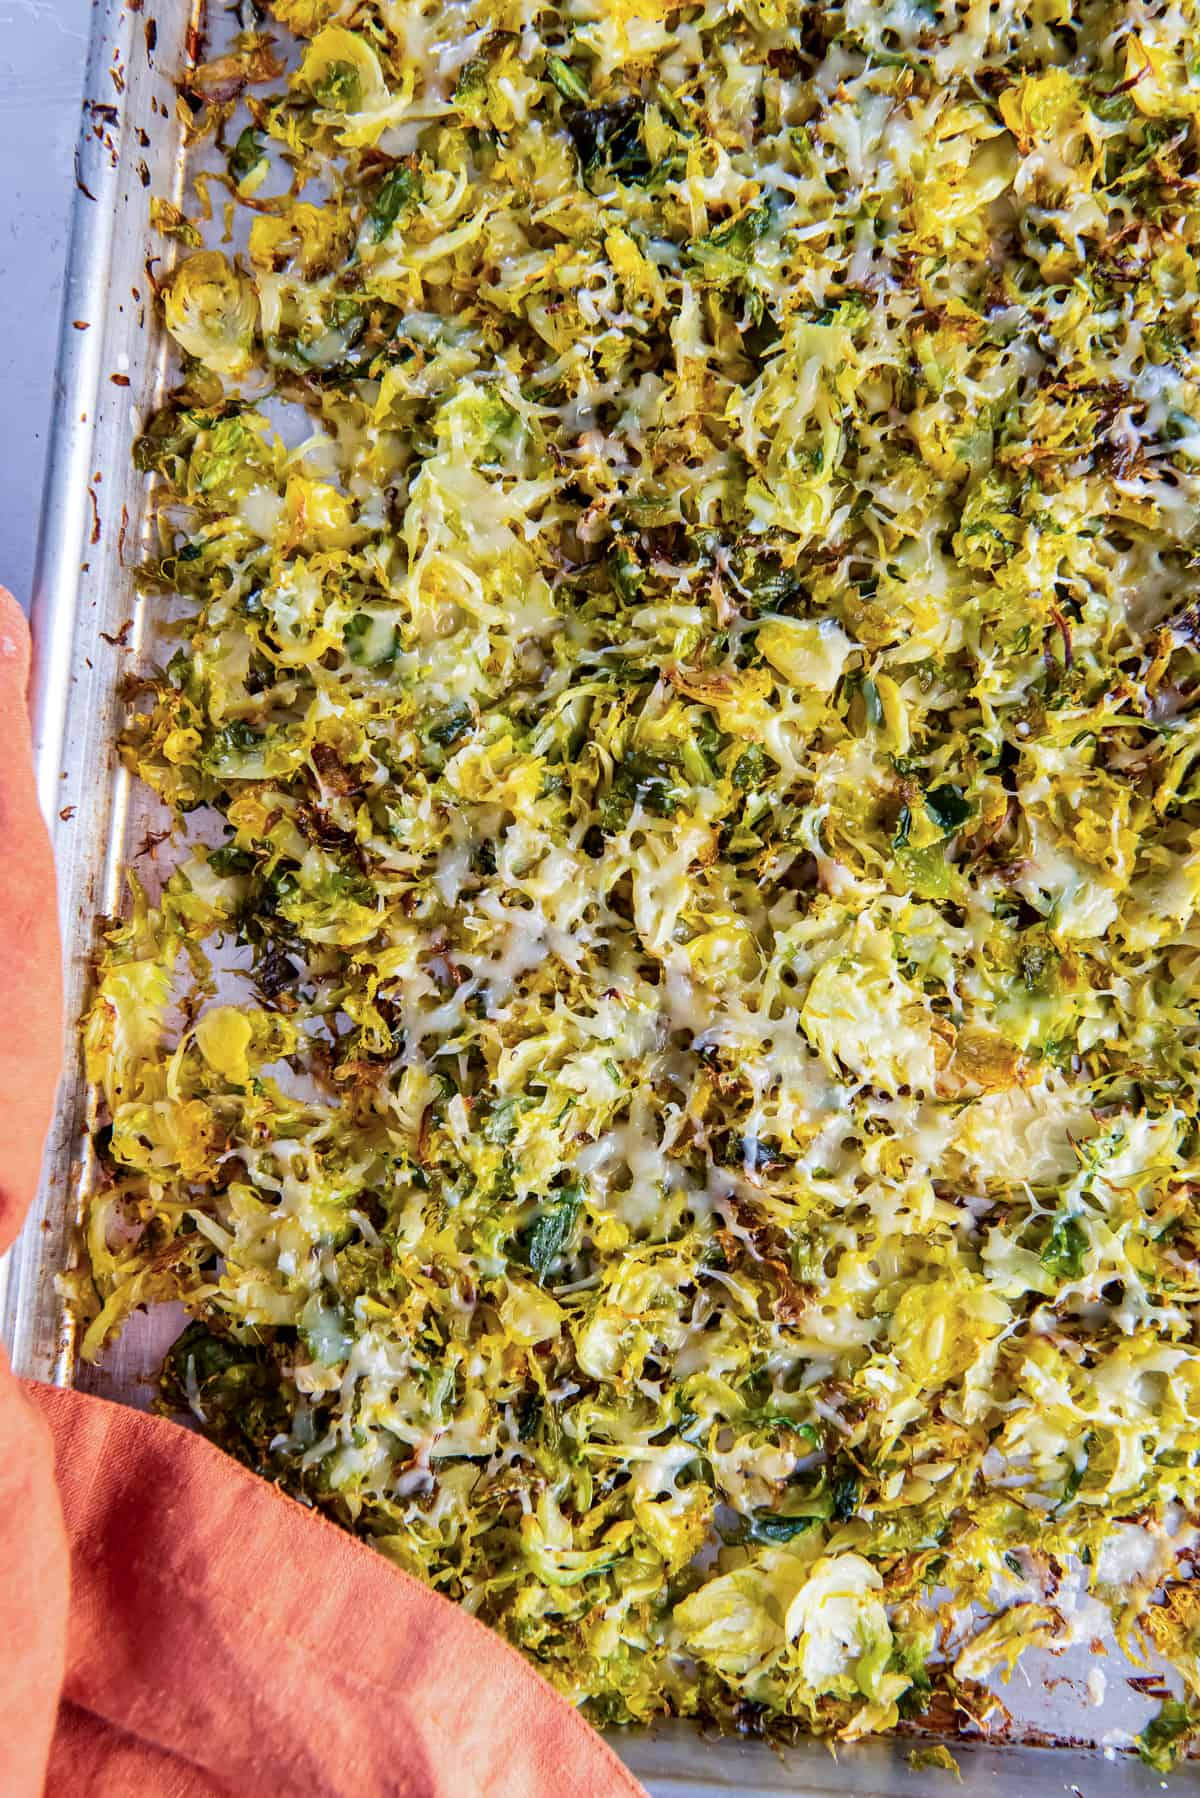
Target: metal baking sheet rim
[(88, 630)]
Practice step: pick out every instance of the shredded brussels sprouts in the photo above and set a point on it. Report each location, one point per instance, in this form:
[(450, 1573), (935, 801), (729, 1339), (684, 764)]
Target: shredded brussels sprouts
[(688, 762)]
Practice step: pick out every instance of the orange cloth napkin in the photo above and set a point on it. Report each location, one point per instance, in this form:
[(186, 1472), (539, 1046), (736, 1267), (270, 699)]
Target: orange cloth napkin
[(217, 1636)]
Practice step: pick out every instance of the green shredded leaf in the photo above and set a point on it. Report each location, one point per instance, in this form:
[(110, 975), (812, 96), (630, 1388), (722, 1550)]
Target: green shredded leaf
[(552, 1230)]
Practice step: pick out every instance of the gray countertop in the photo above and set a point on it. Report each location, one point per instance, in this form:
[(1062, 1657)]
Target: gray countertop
[(43, 48)]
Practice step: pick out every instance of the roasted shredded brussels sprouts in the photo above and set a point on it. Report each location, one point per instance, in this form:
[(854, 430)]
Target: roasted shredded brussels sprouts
[(666, 1070)]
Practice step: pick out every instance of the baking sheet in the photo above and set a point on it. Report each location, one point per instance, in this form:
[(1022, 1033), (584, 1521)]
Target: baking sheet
[(90, 633)]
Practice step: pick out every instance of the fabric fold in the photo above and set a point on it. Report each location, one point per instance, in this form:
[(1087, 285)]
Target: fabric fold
[(33, 1553), (223, 1624)]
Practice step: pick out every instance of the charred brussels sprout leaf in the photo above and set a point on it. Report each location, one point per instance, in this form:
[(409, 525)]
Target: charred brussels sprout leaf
[(608, 140)]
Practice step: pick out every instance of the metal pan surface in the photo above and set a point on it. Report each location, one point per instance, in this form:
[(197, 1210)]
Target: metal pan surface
[(90, 634)]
